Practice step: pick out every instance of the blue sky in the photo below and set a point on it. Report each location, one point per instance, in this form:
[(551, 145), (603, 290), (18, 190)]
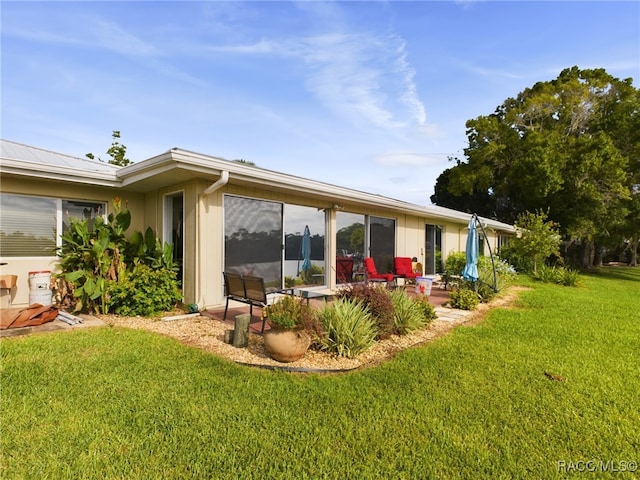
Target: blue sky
[(368, 95)]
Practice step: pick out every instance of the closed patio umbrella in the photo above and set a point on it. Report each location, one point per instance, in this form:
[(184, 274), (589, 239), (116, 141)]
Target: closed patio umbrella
[(306, 249), (470, 271)]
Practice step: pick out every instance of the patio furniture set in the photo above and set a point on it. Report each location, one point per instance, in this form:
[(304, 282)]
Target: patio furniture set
[(251, 290)]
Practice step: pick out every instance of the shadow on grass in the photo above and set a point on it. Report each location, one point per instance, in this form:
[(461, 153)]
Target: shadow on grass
[(613, 273)]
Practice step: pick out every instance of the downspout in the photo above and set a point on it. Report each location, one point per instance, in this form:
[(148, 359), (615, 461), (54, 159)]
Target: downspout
[(221, 182)]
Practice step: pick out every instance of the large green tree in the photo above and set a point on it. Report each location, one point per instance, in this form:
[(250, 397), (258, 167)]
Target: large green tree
[(569, 147)]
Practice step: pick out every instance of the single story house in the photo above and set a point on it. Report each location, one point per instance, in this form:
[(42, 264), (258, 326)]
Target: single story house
[(219, 215)]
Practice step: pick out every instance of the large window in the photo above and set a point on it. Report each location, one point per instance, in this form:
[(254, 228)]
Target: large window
[(31, 226), (253, 238)]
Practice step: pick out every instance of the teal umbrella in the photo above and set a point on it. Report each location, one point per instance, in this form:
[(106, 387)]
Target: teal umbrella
[(306, 249), (470, 271)]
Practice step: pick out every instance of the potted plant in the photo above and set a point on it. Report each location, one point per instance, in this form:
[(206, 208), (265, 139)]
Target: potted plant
[(287, 339)]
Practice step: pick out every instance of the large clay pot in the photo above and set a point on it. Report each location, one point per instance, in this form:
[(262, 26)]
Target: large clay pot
[(286, 345)]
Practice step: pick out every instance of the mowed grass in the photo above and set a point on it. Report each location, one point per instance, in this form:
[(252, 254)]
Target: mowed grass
[(115, 403)]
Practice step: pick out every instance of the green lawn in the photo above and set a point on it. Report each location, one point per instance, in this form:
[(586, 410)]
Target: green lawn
[(107, 403)]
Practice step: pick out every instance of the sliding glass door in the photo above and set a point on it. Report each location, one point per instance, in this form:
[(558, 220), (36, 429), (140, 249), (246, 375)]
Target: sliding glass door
[(382, 242), (304, 246), (433, 250), (360, 236), (350, 246)]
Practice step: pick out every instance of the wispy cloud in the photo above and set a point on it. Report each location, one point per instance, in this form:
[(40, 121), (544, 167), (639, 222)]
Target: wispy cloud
[(261, 47), (410, 97), (110, 36), (342, 74), (89, 32), (359, 76)]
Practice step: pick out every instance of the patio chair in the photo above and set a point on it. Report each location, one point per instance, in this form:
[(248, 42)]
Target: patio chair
[(344, 269), (245, 289), (403, 268), (372, 272)]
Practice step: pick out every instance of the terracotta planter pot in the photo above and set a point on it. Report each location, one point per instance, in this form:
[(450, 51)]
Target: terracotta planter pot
[(286, 345)]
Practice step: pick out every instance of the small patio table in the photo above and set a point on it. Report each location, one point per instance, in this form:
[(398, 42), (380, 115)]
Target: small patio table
[(308, 294)]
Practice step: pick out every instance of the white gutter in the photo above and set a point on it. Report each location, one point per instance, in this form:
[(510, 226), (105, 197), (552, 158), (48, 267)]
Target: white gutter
[(221, 182)]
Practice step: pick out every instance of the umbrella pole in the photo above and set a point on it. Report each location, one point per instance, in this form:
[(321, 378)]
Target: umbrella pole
[(493, 263)]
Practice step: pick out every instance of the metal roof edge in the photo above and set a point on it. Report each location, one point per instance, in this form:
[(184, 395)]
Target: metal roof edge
[(87, 161), (58, 173)]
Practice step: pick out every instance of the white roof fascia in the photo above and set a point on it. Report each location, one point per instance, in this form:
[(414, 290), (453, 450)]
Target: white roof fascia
[(58, 173), (250, 174)]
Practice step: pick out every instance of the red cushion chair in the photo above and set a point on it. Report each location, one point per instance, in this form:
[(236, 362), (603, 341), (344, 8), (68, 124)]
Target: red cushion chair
[(403, 268), (372, 271), (344, 269)]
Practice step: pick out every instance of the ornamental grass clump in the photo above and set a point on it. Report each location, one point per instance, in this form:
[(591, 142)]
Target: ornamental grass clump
[(349, 328), (408, 315), (559, 275)]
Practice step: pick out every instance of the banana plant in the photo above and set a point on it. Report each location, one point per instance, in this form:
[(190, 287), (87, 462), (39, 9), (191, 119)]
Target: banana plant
[(95, 257)]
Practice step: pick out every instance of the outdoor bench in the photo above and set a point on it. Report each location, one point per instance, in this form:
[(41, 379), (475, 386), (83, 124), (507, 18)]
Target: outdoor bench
[(245, 289)]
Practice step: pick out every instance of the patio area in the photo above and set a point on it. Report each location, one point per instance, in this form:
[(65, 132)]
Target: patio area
[(438, 297)]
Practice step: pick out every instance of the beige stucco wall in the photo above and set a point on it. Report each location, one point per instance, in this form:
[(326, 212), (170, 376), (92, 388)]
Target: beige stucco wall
[(21, 266)]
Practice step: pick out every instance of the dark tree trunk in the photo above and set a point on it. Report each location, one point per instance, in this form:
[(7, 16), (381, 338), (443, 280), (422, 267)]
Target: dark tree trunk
[(597, 257), (587, 254), (633, 247)]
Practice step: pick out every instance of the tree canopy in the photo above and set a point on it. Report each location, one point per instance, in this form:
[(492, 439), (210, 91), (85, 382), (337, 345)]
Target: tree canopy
[(569, 147)]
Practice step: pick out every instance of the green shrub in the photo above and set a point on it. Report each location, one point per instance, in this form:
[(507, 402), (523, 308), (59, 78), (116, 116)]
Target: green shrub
[(144, 291), (464, 299), (408, 316), (455, 263), (570, 278), (293, 312), (484, 291), (377, 300), (559, 275), (348, 327), (428, 310), (309, 276), (536, 241), (95, 257), (512, 255)]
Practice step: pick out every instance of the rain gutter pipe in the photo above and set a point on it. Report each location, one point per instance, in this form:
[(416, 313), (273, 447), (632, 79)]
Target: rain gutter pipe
[(221, 182)]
